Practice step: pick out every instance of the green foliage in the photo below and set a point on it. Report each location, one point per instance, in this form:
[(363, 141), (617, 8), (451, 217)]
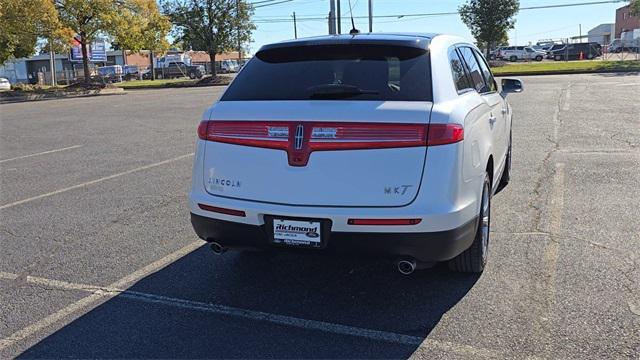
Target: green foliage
[(635, 7), (132, 24), (214, 26), (489, 20), (22, 23)]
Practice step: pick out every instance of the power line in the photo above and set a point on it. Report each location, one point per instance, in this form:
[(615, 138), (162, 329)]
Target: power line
[(270, 4), (401, 16)]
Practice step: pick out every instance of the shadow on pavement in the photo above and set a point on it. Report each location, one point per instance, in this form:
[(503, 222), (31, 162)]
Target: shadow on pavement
[(619, 74), (357, 292)]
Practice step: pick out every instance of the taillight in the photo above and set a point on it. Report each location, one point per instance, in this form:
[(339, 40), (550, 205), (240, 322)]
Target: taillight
[(300, 139), (442, 134), (249, 133)]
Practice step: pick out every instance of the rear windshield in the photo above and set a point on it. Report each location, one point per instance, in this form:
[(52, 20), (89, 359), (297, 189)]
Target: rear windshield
[(330, 72)]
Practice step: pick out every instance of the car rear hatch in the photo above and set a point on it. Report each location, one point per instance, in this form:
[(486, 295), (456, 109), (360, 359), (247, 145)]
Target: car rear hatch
[(324, 125)]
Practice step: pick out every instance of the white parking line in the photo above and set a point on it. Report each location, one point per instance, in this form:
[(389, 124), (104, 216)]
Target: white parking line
[(98, 294), (40, 153), (5, 206), (108, 292)]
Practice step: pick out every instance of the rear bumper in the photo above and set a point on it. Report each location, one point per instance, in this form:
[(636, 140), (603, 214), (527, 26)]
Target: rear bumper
[(424, 246)]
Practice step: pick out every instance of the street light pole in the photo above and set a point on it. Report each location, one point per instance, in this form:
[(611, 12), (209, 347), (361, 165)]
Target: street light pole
[(295, 26), (339, 18), (370, 16), (332, 17)]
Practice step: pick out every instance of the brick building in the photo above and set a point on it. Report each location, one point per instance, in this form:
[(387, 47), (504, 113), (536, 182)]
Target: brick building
[(625, 22)]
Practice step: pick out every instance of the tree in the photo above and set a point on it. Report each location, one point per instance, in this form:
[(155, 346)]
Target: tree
[(214, 26), (504, 41), (23, 23), (133, 24), (635, 7), (489, 20)]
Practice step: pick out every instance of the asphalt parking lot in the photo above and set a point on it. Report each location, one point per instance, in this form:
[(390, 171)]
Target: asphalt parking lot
[(98, 258)]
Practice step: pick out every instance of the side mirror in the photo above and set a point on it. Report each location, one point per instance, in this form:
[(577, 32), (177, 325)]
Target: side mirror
[(512, 85)]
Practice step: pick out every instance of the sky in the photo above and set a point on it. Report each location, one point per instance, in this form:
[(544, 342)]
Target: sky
[(531, 25)]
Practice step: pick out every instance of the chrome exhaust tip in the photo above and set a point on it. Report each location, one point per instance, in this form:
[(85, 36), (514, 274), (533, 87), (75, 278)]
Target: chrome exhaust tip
[(406, 267), (217, 248)]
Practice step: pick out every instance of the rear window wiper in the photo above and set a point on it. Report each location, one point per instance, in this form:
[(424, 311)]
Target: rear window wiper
[(337, 91)]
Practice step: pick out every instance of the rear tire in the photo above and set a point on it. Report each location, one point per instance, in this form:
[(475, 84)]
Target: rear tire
[(513, 58), (474, 259)]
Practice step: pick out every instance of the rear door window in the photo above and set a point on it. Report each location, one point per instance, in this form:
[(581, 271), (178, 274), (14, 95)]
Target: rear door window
[(477, 79), (457, 69), (488, 77), (335, 72)]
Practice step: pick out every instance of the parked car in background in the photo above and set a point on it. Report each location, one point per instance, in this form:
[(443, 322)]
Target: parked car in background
[(553, 48), (229, 66), (131, 72), (581, 51), (111, 73), (620, 45), (516, 53), (4, 84), (495, 53), (321, 144), (180, 69)]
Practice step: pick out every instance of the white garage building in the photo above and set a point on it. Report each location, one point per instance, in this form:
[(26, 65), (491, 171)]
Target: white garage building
[(602, 34)]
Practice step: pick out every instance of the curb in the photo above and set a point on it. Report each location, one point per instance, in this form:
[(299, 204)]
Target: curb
[(140, 88), (63, 95), (567, 72)]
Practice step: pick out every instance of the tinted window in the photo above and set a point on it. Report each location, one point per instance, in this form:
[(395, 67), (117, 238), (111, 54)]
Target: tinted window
[(520, 47), (457, 68), (354, 72), (477, 81), (488, 77)]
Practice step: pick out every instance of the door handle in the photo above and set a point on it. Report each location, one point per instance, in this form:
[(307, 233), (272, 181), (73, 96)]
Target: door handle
[(504, 111), (492, 119)]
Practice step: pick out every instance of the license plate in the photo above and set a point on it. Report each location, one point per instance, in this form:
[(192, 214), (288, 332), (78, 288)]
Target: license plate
[(297, 233)]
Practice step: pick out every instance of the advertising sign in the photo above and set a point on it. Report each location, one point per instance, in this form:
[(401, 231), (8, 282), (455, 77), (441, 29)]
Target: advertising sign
[(97, 52)]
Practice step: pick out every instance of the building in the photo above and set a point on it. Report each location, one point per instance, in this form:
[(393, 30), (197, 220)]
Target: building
[(602, 34), (28, 70), (626, 23)]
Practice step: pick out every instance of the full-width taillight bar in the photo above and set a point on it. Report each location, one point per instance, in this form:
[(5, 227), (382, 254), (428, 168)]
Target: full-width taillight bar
[(300, 139), (324, 135)]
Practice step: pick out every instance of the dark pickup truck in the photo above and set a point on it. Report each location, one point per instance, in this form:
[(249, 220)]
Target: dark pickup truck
[(179, 69)]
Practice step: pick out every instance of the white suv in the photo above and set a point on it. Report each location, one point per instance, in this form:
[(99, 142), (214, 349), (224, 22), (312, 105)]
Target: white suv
[(515, 53), (385, 144)]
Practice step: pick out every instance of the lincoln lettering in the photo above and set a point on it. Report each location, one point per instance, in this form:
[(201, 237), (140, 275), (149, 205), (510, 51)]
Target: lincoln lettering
[(223, 182)]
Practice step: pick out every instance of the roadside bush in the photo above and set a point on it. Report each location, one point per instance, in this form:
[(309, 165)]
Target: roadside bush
[(497, 63), (23, 87)]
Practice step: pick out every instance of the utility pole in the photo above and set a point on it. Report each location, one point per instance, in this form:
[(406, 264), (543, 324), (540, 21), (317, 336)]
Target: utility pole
[(239, 42), (580, 38), (295, 26), (339, 18), (52, 62), (370, 16), (332, 17)]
